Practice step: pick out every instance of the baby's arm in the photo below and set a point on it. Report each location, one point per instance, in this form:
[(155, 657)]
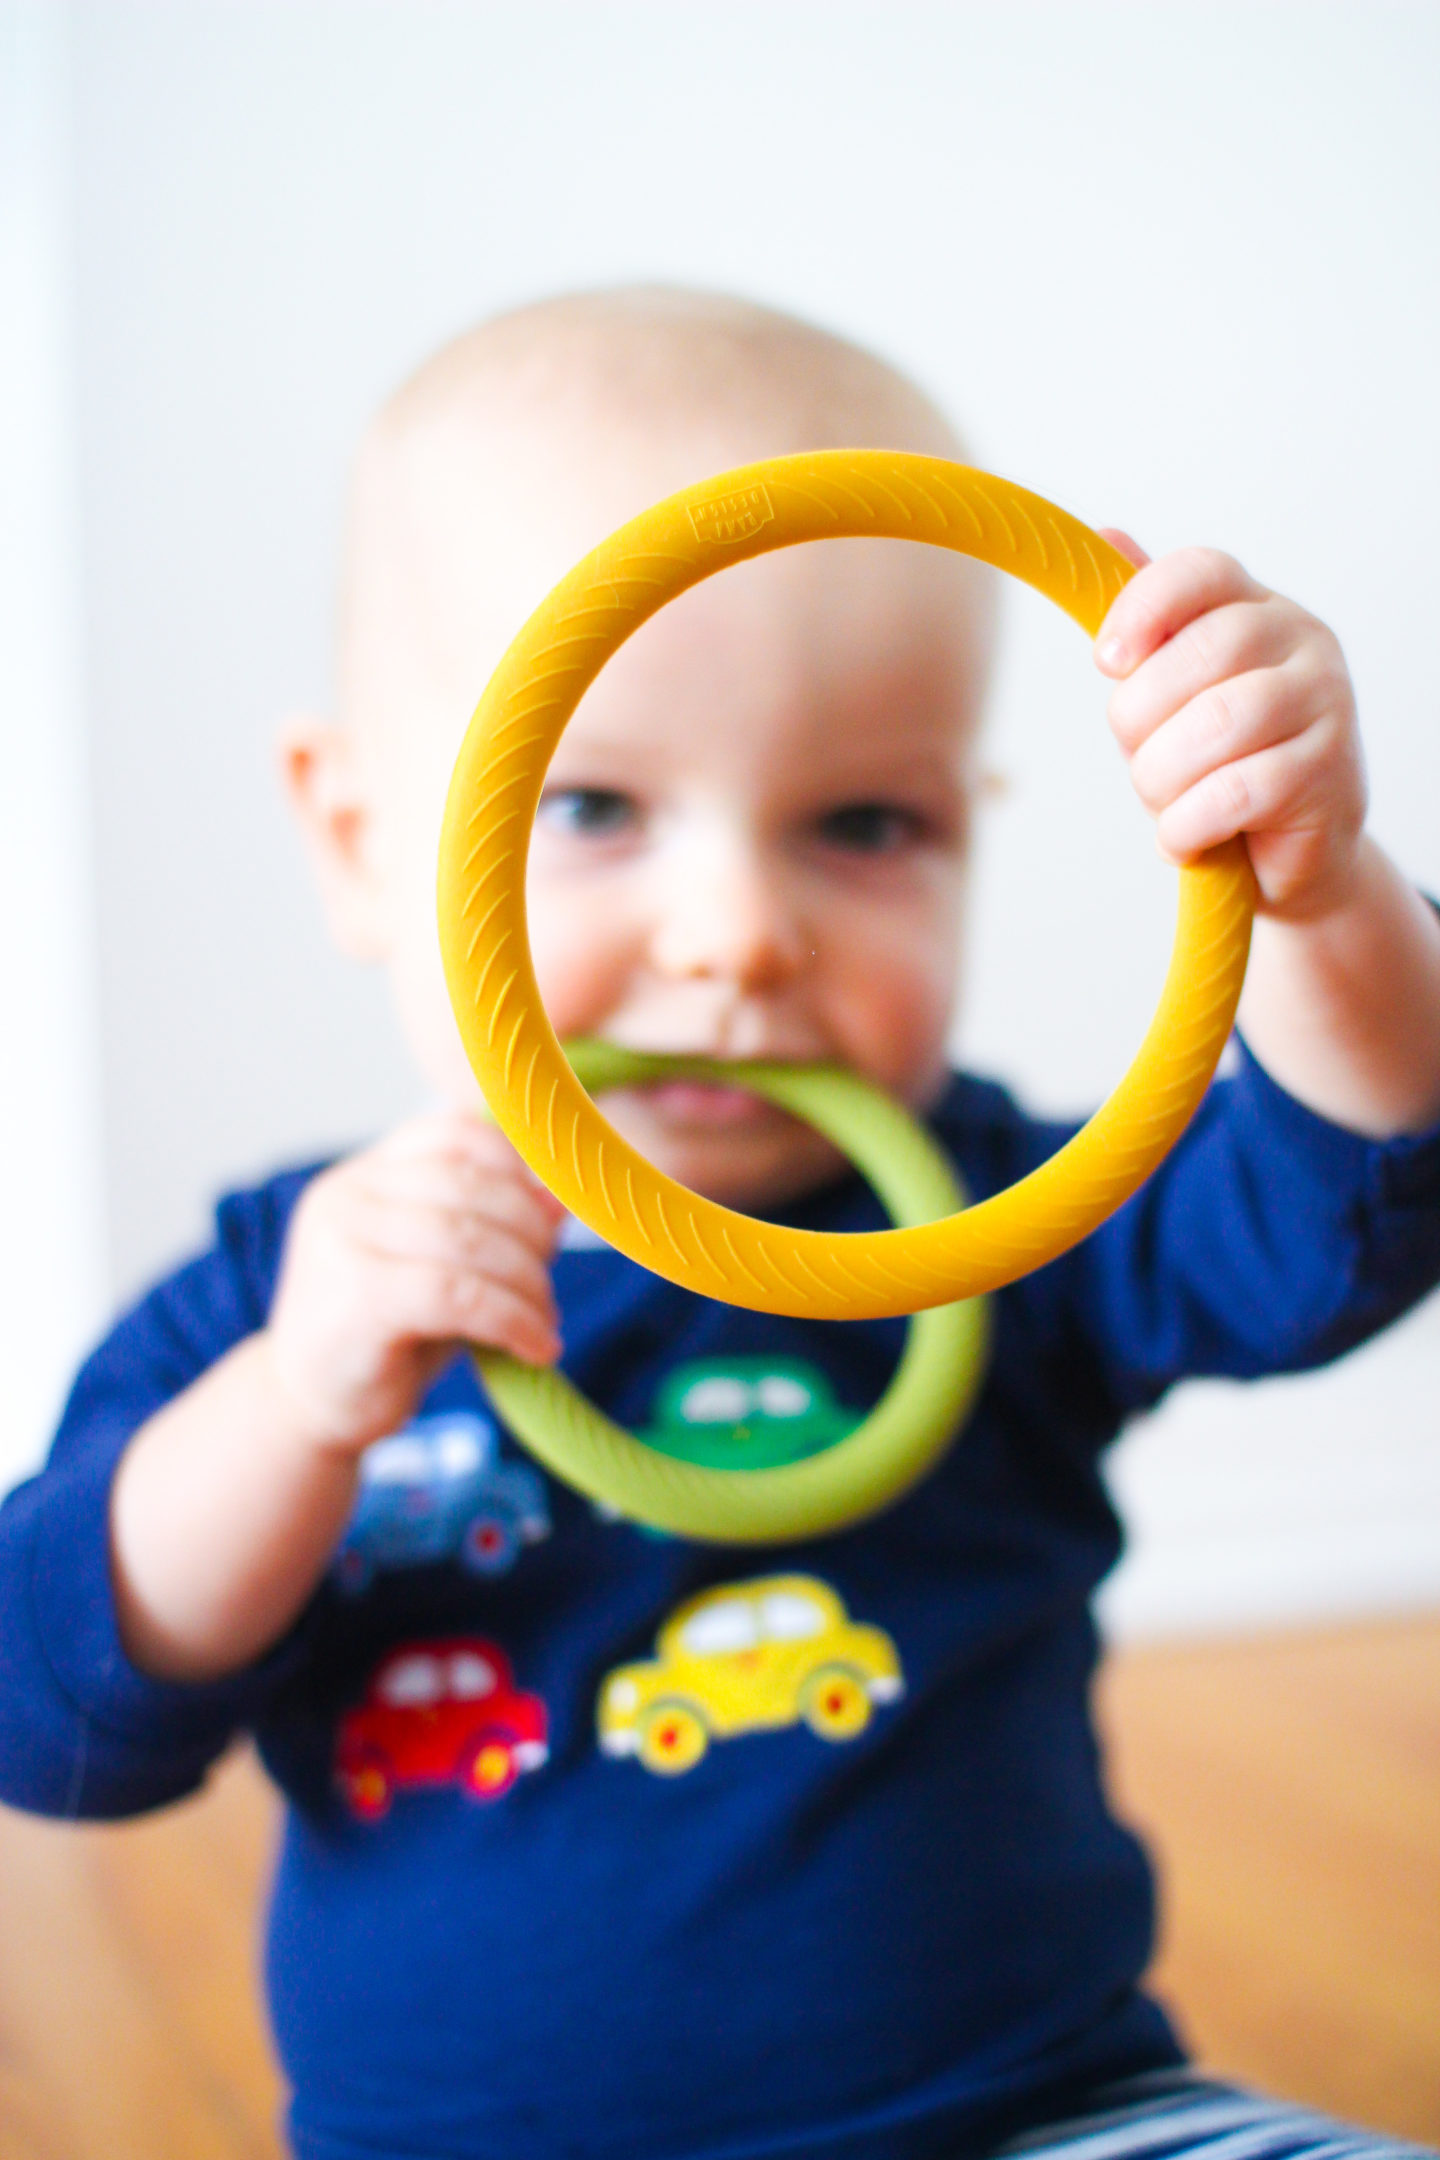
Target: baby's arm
[(228, 1503), (1237, 716)]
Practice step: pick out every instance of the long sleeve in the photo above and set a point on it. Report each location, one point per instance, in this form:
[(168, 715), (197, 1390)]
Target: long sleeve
[(1270, 1241), (82, 1732)]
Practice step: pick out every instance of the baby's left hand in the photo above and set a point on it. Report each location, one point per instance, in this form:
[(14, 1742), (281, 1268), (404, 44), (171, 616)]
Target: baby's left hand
[(1235, 710)]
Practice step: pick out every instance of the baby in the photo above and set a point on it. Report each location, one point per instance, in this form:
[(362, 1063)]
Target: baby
[(736, 1917)]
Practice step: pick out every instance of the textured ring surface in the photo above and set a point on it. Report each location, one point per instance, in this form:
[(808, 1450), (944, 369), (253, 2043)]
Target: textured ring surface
[(517, 1059)]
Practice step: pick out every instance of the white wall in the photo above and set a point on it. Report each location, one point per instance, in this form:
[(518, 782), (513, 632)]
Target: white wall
[(52, 1286), (1175, 266)]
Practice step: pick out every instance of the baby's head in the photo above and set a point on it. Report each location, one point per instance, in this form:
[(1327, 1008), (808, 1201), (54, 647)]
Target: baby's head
[(753, 837)]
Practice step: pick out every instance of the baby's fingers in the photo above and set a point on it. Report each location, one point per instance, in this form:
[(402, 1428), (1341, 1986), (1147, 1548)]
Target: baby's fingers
[(449, 1239), (1229, 720), (1162, 598), (507, 1198), (453, 1255), (1238, 639), (460, 1138), (435, 1301), (1278, 788)]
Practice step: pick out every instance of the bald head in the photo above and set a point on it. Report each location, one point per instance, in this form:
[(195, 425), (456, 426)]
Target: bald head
[(524, 442), (802, 723), (658, 357)]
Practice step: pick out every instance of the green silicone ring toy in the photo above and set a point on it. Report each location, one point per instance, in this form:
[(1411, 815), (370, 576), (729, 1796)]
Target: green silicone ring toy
[(910, 1427)]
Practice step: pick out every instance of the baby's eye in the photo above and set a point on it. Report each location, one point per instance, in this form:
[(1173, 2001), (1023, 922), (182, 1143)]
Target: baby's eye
[(592, 813), (870, 828)]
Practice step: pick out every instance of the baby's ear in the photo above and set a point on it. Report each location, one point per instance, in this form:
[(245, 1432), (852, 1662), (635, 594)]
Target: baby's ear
[(325, 786)]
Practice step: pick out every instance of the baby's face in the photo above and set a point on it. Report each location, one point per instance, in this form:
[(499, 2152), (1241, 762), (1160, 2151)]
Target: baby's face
[(752, 843)]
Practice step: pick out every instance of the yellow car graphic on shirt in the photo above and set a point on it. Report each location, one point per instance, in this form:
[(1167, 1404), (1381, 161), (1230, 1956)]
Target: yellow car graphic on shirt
[(748, 1657)]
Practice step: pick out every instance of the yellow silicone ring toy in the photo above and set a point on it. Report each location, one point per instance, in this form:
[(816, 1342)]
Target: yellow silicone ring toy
[(521, 1068)]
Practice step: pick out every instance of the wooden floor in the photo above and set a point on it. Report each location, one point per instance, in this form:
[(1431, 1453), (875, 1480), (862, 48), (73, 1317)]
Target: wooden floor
[(1291, 1788)]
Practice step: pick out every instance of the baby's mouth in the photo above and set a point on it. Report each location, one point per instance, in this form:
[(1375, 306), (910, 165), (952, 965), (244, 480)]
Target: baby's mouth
[(707, 1103)]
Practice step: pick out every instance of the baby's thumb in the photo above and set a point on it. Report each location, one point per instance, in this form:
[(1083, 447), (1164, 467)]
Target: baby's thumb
[(1130, 549)]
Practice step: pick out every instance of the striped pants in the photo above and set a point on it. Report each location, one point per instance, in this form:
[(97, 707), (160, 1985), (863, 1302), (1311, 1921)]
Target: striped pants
[(1172, 2113)]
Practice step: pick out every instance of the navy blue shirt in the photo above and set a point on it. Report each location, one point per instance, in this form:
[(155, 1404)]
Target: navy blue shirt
[(606, 1844)]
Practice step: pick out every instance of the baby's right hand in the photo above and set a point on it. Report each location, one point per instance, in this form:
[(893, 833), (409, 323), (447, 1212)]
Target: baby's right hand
[(436, 1237)]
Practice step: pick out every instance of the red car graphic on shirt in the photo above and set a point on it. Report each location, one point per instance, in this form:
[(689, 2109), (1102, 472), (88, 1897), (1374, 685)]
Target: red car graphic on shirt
[(439, 1713)]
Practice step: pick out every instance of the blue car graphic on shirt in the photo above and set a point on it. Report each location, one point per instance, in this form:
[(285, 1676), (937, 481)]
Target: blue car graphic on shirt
[(437, 1490)]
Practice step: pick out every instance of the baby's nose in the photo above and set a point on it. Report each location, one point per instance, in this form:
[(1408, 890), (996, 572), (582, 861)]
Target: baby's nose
[(724, 915)]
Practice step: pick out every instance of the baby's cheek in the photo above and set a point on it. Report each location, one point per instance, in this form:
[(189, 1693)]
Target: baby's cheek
[(580, 972), (894, 1013)]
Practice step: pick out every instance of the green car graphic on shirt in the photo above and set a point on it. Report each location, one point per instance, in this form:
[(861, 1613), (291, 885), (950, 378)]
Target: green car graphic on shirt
[(746, 1413)]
